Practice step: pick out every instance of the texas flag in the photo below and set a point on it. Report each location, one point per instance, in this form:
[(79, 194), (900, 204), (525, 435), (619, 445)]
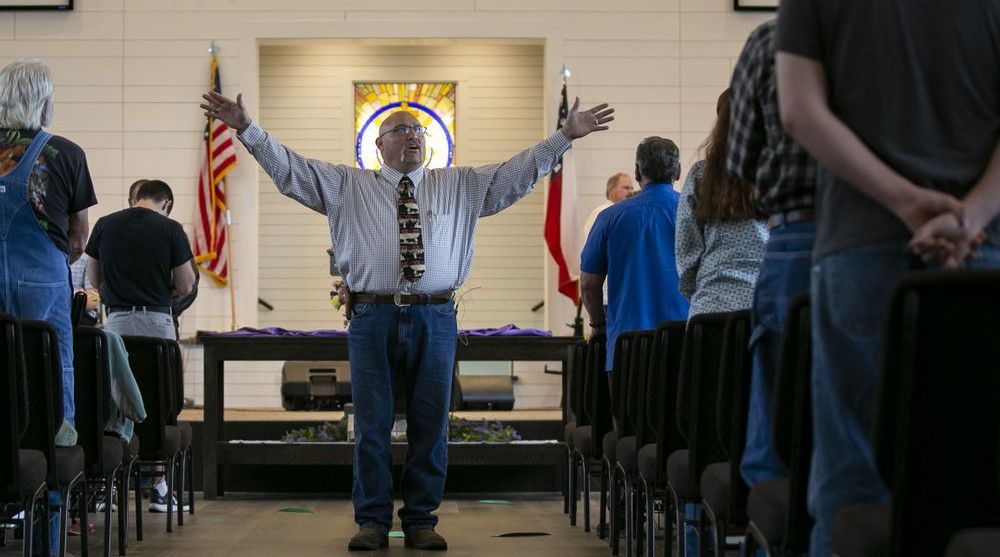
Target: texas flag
[(560, 215)]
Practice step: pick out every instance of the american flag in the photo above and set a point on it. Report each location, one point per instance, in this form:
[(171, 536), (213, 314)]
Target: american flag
[(217, 159)]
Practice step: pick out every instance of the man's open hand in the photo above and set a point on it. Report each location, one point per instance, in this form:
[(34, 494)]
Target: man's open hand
[(220, 107), (579, 124)]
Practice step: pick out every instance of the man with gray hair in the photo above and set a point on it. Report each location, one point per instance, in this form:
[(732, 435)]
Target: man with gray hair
[(404, 236), (45, 190), (632, 246)]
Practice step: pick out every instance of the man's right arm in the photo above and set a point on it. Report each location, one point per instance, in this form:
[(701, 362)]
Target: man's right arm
[(304, 180), (308, 181), (593, 273), (592, 291)]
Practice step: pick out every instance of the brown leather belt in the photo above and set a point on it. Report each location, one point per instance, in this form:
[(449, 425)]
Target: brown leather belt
[(401, 299), (790, 217)]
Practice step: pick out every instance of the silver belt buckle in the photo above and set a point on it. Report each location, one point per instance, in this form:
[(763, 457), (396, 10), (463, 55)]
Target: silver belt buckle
[(397, 299)]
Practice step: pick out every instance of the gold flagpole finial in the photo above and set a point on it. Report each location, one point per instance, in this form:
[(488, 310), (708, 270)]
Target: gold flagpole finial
[(213, 49)]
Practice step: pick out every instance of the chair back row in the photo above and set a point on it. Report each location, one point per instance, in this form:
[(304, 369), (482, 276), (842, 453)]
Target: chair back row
[(661, 401), (698, 390), (156, 365), (92, 389), (792, 420), (43, 378), (13, 401), (733, 406), (939, 410), (575, 378), (628, 381), (595, 407)]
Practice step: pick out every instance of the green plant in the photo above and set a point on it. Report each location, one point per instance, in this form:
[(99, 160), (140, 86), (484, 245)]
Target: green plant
[(328, 432), (459, 429), (481, 431)]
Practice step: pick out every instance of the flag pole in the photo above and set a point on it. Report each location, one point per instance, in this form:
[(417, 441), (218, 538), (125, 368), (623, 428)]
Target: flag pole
[(229, 260)]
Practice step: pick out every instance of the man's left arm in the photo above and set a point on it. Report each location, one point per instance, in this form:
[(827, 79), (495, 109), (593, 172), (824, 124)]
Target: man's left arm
[(77, 233), (181, 303), (508, 182)]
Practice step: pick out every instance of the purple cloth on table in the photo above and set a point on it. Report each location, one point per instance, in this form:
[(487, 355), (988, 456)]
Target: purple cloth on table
[(505, 331)]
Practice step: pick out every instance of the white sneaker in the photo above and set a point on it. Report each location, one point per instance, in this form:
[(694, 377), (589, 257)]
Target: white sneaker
[(158, 503), (99, 505)]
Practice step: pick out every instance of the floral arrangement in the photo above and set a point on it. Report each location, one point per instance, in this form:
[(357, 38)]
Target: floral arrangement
[(473, 431)]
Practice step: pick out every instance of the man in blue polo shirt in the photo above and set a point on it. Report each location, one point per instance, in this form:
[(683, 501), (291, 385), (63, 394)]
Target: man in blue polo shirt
[(632, 246)]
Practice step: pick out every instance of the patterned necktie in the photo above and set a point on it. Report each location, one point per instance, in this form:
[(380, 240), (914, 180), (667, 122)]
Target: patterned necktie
[(411, 244)]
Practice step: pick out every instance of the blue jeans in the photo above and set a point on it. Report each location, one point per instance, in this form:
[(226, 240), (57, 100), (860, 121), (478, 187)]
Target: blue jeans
[(412, 347), (783, 274), (851, 290)]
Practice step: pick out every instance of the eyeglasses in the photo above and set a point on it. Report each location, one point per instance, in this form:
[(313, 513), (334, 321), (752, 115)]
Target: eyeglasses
[(417, 130)]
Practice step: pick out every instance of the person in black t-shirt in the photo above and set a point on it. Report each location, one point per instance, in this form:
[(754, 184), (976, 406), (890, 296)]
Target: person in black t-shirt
[(140, 260), (898, 101), (178, 303)]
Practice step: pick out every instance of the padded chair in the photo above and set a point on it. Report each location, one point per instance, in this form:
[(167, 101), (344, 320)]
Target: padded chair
[(658, 435), (697, 393), (577, 355), (43, 371), (723, 491), (103, 453), (592, 422), (149, 359), (22, 471), (129, 475), (975, 542), (632, 418), (618, 385), (185, 462), (776, 508), (937, 420)]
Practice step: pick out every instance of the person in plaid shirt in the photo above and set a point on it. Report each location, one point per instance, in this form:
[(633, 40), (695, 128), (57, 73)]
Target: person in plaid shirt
[(784, 177)]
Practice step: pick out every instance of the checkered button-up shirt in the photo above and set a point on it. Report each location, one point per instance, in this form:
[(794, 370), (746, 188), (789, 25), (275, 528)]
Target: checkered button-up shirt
[(759, 150), (361, 208)]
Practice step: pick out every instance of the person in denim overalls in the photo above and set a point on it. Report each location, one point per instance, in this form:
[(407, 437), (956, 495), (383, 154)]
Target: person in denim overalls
[(34, 272)]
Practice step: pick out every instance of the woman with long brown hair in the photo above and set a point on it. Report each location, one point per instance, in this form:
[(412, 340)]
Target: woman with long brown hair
[(721, 235)]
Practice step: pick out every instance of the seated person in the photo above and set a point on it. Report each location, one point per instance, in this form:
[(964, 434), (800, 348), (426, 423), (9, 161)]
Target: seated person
[(721, 236), (82, 283)]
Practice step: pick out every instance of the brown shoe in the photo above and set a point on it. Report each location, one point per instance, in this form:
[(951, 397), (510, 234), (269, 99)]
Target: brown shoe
[(425, 539), (368, 539)]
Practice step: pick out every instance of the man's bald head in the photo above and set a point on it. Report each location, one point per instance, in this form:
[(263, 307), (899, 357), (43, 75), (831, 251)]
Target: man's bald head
[(401, 146), (398, 118)]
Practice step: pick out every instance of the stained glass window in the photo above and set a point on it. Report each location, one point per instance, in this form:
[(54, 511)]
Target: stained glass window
[(433, 104)]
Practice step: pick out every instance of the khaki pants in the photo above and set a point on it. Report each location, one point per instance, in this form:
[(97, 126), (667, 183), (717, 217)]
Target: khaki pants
[(141, 323)]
